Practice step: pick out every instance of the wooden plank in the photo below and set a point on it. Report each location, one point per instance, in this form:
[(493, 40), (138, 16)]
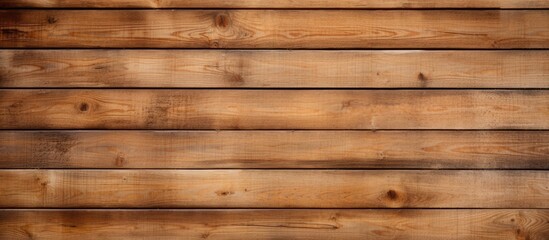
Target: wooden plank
[(274, 29), (447, 224), (275, 4), (273, 189), (274, 109), (274, 69), (275, 149)]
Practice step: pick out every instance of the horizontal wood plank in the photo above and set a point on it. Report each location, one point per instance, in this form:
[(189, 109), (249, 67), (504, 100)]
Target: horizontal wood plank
[(274, 109), (275, 4), (273, 189), (268, 224), (274, 69), (274, 29), (275, 149)]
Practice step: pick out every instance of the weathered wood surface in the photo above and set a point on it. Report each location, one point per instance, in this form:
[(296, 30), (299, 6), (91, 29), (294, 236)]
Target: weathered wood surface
[(274, 29), (274, 109), (503, 4), (274, 69), (341, 160), (273, 189), (269, 224), (275, 149)]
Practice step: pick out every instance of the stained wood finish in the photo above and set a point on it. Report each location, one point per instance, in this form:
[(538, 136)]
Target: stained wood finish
[(273, 189), (276, 4), (274, 69), (274, 29), (273, 109), (274, 149), (313, 119), (269, 224)]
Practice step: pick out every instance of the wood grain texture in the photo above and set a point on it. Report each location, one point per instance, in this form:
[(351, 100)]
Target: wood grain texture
[(274, 29), (275, 149), (273, 189), (276, 4), (274, 69), (273, 109), (275, 224), (256, 119)]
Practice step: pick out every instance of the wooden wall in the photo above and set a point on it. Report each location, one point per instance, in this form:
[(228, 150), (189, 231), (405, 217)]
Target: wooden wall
[(257, 119)]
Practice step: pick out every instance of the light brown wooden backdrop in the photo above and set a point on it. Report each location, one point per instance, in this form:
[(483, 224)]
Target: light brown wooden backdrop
[(311, 119)]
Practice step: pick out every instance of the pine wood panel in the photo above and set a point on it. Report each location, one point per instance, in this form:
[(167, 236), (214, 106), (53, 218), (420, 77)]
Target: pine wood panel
[(276, 4), (274, 29), (273, 189), (274, 69), (278, 224), (275, 149), (273, 109), (280, 162)]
